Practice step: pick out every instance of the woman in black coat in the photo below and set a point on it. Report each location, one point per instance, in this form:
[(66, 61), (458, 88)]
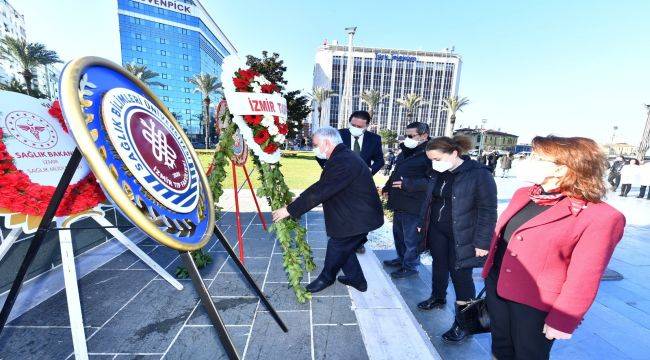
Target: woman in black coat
[(457, 222)]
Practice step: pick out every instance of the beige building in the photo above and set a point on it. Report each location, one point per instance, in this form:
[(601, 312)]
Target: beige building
[(624, 149), (493, 139)]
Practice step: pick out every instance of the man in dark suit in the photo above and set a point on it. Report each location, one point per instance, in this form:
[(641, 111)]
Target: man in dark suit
[(351, 207), (364, 143)]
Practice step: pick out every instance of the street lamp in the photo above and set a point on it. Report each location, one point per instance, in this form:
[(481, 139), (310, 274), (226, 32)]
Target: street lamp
[(614, 134)]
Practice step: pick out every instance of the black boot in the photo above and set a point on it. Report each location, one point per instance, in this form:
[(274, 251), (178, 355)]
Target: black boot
[(458, 332), (432, 303)]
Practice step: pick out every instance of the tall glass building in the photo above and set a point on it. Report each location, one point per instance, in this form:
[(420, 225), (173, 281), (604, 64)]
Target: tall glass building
[(395, 73), (177, 39)]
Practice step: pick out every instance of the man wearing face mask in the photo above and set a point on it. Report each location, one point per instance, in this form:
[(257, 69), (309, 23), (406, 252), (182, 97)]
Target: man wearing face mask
[(364, 143), (351, 207), (411, 164)]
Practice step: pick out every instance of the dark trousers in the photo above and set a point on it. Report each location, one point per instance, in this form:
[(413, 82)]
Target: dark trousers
[(625, 189), (642, 192), (443, 252), (340, 254), (407, 239), (516, 328), (614, 180)]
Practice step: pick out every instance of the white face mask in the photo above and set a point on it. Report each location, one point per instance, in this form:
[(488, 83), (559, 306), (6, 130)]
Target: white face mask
[(441, 165), (535, 171), (319, 154), (355, 131), (410, 143)]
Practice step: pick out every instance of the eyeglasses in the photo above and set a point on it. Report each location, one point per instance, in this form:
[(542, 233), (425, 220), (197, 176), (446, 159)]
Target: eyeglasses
[(410, 136)]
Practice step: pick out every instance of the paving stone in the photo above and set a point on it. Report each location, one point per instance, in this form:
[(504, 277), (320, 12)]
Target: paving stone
[(234, 284), (163, 255), (35, 343), (199, 343), (283, 298), (253, 265), (233, 311), (332, 310), (342, 342), (102, 294), (255, 248), (148, 322), (137, 357), (269, 342), (124, 260)]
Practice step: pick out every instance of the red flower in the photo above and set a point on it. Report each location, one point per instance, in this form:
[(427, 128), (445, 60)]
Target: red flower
[(241, 84), (269, 88), (271, 148), (261, 136), (55, 111), (283, 129), (247, 75), (253, 119)]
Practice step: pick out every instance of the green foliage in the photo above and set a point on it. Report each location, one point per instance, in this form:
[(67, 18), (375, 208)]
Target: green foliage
[(220, 161), (27, 56), (143, 73), (272, 67), (201, 259), (388, 137), (297, 110)]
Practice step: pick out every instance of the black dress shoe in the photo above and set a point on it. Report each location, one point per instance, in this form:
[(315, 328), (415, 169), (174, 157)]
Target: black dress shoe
[(403, 273), (318, 285), (359, 286), (361, 249), (394, 262), (432, 303)]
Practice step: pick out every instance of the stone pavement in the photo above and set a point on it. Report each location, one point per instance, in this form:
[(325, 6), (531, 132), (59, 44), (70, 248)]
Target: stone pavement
[(129, 312)]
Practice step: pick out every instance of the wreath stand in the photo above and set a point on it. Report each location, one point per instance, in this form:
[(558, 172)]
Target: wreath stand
[(240, 239), (70, 276)]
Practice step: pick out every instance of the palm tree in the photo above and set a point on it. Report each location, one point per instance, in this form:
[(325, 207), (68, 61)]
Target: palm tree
[(452, 105), (14, 85), (27, 56), (143, 73), (320, 95), (372, 98), (410, 103), (206, 84)]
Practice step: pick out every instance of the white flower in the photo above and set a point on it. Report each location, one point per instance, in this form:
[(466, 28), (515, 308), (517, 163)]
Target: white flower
[(279, 138), (261, 80), (283, 120), (256, 87), (267, 121), (273, 130)]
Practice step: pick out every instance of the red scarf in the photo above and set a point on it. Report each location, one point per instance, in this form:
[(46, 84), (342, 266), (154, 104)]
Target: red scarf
[(539, 197)]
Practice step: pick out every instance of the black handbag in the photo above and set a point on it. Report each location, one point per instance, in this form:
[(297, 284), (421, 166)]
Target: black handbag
[(475, 315)]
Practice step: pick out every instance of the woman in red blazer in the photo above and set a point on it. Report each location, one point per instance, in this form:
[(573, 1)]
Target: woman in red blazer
[(550, 248)]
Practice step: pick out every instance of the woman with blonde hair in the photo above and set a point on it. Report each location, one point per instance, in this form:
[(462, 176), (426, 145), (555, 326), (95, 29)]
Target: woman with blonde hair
[(550, 248)]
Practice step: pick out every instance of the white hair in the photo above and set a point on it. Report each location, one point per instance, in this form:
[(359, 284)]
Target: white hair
[(329, 133)]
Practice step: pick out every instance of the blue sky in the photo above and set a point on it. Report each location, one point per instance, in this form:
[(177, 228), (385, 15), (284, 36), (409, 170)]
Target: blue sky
[(530, 67)]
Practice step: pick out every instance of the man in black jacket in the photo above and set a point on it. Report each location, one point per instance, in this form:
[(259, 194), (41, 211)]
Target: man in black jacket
[(412, 163), (351, 207), (364, 143)]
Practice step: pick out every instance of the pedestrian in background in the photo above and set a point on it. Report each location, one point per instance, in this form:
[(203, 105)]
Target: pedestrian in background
[(550, 248), (457, 221), (629, 175), (492, 160), (405, 197), (390, 162), (614, 178), (644, 179), (506, 164)]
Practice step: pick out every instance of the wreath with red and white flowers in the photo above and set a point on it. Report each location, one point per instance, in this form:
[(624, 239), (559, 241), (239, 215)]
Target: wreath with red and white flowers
[(18, 194), (263, 133)]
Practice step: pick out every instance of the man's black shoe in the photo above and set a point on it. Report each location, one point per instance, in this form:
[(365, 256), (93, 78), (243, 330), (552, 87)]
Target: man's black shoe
[(432, 303), (403, 273), (345, 281), (456, 334), (361, 249), (318, 285), (394, 262)]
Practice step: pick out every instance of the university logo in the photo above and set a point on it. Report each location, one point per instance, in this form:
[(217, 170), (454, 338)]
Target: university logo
[(31, 130), (151, 148)]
